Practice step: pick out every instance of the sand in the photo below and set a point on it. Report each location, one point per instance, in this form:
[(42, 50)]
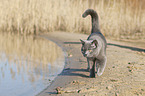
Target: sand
[(124, 74)]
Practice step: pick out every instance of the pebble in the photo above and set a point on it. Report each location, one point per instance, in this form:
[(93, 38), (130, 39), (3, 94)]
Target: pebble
[(116, 94), (142, 89), (75, 82), (131, 63), (130, 70), (109, 87), (70, 55), (113, 80)]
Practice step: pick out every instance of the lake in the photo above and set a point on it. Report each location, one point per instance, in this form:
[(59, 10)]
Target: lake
[(28, 64)]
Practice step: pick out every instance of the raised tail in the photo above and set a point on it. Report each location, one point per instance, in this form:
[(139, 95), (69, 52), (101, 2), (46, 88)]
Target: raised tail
[(95, 21)]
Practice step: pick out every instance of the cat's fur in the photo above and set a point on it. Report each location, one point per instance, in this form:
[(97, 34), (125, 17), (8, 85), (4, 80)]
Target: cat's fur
[(94, 48)]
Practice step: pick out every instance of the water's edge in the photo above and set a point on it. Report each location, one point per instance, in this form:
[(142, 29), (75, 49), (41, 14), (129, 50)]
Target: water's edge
[(65, 60)]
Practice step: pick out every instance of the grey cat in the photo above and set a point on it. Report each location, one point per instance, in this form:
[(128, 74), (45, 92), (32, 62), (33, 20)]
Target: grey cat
[(94, 48)]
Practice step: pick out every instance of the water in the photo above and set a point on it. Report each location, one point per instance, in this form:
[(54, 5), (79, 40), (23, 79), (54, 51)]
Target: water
[(27, 65)]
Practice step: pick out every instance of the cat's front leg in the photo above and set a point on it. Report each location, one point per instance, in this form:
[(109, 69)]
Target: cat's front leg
[(88, 68), (92, 70)]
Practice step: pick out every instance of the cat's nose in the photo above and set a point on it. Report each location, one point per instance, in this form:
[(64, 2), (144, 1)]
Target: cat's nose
[(85, 55)]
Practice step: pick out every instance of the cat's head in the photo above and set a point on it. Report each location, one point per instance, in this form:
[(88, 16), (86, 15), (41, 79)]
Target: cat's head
[(89, 47)]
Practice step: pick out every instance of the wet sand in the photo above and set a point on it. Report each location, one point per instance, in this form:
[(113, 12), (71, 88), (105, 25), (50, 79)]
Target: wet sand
[(124, 74)]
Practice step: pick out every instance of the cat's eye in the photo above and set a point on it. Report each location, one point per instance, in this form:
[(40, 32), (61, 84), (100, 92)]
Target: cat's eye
[(83, 48), (90, 50)]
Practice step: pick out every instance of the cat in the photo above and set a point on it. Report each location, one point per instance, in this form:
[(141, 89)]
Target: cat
[(94, 48)]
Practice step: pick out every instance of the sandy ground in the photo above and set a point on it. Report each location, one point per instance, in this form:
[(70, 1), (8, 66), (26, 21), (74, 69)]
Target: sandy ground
[(124, 74)]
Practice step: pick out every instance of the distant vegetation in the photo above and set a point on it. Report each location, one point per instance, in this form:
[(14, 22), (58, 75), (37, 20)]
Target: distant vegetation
[(118, 18)]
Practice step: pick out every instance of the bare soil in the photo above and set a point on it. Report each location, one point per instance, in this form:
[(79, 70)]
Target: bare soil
[(124, 74)]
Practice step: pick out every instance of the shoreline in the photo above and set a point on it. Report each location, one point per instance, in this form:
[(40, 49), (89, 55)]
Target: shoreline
[(119, 78), (68, 57)]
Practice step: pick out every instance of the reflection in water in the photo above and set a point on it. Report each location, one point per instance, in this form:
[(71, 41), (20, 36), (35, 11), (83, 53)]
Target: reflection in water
[(27, 64)]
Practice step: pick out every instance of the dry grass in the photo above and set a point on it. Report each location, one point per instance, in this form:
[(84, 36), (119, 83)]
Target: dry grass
[(118, 18)]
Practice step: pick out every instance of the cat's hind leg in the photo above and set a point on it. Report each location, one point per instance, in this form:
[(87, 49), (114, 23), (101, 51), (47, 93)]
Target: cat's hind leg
[(101, 67)]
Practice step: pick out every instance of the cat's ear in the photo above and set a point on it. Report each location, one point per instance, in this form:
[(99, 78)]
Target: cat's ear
[(82, 41), (95, 42)]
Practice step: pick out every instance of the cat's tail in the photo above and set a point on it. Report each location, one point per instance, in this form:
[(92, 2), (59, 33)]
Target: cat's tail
[(95, 21)]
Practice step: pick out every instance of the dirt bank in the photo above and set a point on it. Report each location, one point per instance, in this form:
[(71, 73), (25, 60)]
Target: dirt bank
[(124, 74)]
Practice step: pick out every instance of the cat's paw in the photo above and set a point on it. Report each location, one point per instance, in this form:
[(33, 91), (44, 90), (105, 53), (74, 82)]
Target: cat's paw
[(92, 74), (99, 73)]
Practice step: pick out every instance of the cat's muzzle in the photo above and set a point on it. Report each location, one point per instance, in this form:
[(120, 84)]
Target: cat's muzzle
[(85, 55)]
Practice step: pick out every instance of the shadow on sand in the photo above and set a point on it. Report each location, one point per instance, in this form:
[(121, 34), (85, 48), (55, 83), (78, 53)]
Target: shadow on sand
[(74, 72), (121, 46), (128, 47), (72, 42)]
